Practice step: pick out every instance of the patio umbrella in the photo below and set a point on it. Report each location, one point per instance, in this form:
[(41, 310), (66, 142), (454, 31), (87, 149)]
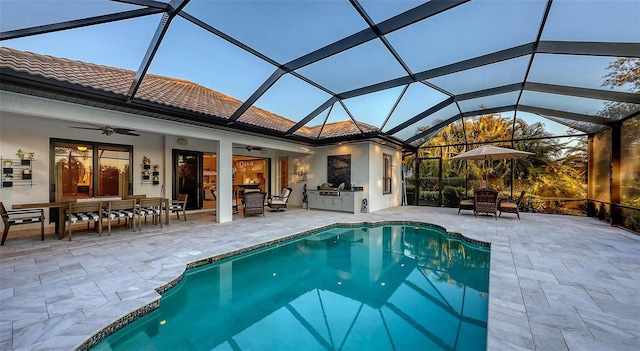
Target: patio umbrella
[(490, 153)]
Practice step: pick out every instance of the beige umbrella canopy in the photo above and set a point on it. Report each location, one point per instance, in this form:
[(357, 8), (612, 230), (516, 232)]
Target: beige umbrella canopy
[(490, 153)]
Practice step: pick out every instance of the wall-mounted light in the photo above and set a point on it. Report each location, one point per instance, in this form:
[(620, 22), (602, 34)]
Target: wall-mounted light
[(301, 171), (82, 148), (183, 141)]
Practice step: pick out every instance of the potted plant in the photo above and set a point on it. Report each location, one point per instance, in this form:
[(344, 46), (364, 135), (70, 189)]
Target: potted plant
[(146, 160), (25, 157), (305, 198), (8, 163)]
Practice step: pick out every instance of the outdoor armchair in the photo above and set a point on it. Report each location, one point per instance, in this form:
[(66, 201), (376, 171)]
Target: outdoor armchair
[(26, 216), (464, 203), (511, 206), (486, 201), (253, 203), (279, 203)]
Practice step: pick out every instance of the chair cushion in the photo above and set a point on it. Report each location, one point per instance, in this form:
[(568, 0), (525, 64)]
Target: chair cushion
[(148, 211), (277, 202), (508, 205), (118, 214), (84, 217), (466, 202), (22, 220)]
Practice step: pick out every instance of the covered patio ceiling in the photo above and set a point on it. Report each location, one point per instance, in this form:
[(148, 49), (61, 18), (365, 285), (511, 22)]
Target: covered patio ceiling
[(347, 70)]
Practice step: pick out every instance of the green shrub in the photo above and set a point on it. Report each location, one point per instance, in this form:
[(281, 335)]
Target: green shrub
[(430, 196)]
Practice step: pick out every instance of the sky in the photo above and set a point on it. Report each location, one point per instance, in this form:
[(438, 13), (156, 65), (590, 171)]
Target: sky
[(285, 30)]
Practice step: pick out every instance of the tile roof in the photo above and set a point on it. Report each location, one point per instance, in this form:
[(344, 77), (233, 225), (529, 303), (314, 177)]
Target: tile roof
[(171, 92)]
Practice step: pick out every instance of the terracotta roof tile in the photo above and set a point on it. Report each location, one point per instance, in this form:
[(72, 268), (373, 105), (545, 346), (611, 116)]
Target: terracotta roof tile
[(176, 93), (337, 129)]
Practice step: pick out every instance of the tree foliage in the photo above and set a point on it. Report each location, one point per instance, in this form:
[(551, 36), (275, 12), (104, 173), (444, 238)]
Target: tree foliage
[(556, 169)]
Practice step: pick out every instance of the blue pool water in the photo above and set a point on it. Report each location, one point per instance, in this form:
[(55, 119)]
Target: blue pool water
[(386, 287)]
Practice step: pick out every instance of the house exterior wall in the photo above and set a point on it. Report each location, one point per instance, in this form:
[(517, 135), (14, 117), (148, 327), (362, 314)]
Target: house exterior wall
[(29, 123), (366, 171)]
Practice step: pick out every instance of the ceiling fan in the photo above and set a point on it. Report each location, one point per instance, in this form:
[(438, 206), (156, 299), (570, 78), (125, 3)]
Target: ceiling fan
[(108, 130)]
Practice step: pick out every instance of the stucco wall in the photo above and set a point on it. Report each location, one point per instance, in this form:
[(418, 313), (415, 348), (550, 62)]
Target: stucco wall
[(29, 123)]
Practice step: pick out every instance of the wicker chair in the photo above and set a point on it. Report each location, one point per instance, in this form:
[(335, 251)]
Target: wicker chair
[(464, 203), (253, 203), (510, 206), (486, 201)]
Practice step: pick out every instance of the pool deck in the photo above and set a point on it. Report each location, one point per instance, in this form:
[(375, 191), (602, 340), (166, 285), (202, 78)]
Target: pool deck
[(557, 282)]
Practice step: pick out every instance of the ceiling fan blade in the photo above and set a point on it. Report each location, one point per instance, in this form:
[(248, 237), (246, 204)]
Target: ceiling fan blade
[(125, 131), (85, 128)]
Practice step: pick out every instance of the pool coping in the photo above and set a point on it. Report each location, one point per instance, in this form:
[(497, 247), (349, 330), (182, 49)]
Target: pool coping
[(148, 308)]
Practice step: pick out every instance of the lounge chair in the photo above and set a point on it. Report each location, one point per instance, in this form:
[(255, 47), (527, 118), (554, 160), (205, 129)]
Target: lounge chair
[(511, 206), (486, 201), (253, 203), (464, 203), (279, 203)]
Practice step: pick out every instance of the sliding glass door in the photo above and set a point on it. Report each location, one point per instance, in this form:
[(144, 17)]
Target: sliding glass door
[(74, 175), (188, 176)]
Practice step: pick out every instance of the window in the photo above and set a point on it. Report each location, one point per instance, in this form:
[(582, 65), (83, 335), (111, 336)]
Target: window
[(73, 172), (386, 176)]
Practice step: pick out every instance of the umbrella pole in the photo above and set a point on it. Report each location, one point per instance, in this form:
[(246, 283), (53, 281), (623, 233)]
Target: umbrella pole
[(486, 176)]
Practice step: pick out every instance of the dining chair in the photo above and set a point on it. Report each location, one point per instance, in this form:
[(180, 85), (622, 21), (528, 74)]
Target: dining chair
[(136, 197), (179, 205), (150, 206), (121, 209), (89, 211)]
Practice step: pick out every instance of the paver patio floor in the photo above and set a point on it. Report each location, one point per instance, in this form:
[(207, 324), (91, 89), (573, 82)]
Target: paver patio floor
[(556, 283)]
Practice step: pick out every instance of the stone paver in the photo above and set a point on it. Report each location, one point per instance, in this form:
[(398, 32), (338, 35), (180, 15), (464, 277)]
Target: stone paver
[(556, 283)]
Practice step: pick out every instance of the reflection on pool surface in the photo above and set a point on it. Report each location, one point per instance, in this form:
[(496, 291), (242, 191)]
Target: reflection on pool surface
[(386, 287)]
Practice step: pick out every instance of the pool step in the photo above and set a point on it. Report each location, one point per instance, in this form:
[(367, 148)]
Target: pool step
[(137, 341)]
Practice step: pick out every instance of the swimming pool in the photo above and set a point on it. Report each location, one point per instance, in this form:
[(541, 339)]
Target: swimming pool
[(372, 287)]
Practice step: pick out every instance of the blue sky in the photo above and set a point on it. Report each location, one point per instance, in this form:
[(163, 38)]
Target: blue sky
[(285, 30)]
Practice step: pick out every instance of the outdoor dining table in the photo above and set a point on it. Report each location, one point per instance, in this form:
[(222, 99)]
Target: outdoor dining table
[(63, 205)]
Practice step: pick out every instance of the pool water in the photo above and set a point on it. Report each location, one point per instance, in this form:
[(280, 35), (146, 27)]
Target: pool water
[(386, 287)]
